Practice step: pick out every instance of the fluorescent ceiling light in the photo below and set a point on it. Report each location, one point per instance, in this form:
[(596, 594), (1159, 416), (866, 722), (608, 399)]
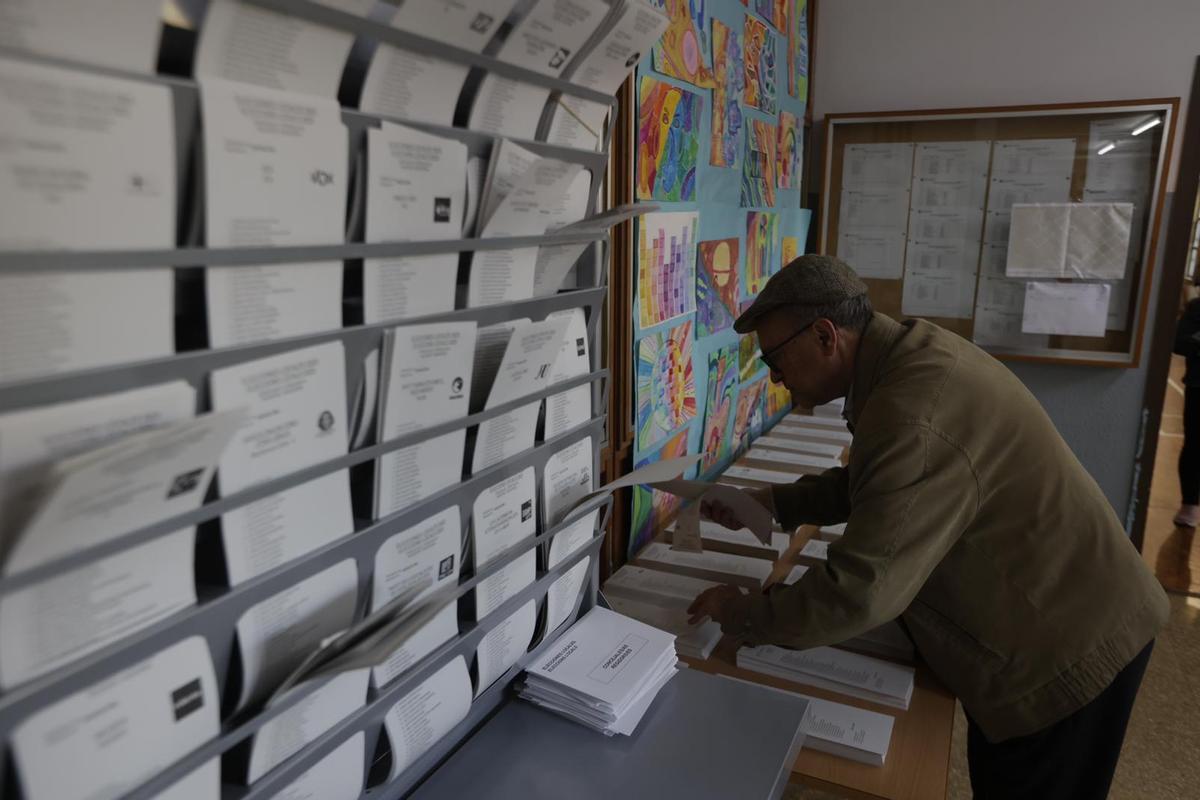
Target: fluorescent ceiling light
[(1106, 148), (1145, 126)]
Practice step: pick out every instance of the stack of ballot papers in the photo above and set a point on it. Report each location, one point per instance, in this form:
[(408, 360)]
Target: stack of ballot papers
[(691, 641), (836, 670), (722, 567), (741, 542), (807, 461), (847, 731), (604, 672), (833, 409)]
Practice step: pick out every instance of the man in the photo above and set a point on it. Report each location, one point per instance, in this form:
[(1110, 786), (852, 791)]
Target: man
[(970, 520)]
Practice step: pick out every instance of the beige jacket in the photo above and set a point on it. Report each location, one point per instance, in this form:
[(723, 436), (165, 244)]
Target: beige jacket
[(970, 518)]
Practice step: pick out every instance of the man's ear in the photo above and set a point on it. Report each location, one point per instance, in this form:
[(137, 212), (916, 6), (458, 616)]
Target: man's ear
[(827, 335)]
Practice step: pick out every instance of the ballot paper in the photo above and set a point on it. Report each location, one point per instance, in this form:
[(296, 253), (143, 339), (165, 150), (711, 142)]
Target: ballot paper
[(124, 37), (546, 39), (579, 123), (815, 549), (722, 567), (554, 263), (300, 725), (572, 408), (655, 586), (779, 443), (836, 670), (276, 634), (742, 541), (297, 403), (88, 163), (416, 190), (1069, 309), (830, 532), (847, 731), (509, 162), (834, 409), (1069, 240), (476, 172), (243, 42), (806, 422), (841, 438), (64, 618), (503, 515), (427, 713), (121, 731), (337, 776), (797, 459), (140, 479), (566, 478), (276, 173), (401, 83), (759, 475), (561, 597), (414, 564), (504, 645), (427, 380), (503, 437), (602, 672), (504, 584), (691, 641)]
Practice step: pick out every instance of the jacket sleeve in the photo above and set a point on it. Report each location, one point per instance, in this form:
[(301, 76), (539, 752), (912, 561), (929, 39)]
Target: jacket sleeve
[(1186, 331), (911, 498), (813, 500)]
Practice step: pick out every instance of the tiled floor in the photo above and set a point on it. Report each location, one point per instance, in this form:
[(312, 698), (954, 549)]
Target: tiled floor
[(1160, 758)]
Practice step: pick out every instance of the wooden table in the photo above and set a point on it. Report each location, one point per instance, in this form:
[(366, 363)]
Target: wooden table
[(918, 760)]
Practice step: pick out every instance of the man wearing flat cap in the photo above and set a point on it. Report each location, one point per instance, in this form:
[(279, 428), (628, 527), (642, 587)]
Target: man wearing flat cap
[(968, 520)]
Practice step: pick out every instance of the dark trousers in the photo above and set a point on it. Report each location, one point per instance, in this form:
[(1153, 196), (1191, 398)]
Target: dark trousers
[(1073, 759), (1189, 455)]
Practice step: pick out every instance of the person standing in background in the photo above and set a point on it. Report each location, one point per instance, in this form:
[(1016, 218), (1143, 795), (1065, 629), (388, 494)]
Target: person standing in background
[(1187, 344)]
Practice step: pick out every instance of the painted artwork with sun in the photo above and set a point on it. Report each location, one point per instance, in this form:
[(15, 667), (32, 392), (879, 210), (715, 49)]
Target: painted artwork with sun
[(762, 229), (716, 286), (722, 383), (666, 384)]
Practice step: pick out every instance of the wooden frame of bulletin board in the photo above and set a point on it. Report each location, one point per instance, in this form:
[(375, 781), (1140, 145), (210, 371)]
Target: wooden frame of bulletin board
[(1135, 171)]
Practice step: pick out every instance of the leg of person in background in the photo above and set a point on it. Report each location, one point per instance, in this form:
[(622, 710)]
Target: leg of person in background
[(1189, 460)]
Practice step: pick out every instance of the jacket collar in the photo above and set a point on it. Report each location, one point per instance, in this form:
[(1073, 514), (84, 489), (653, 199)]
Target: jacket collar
[(877, 341)]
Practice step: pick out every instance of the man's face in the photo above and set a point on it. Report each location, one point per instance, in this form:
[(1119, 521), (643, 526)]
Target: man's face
[(807, 363)]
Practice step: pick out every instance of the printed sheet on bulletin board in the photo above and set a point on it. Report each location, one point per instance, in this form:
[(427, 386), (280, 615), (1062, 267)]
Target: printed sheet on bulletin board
[(1024, 229), (719, 148)]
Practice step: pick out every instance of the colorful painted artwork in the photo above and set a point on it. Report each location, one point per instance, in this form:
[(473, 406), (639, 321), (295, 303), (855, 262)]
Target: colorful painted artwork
[(797, 32), (758, 166), (749, 405), (788, 149), (729, 77), (652, 509), (682, 51), (760, 260), (779, 399), (718, 409), (668, 141), (759, 61), (666, 384), (789, 247), (716, 286), (666, 283), (774, 11), (748, 356)]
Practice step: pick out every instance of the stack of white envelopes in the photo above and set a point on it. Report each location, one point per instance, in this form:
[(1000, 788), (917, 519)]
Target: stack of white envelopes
[(603, 673), (837, 670)]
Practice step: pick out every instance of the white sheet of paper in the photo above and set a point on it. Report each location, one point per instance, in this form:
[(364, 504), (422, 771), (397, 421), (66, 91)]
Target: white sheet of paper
[(62, 619), (816, 549), (946, 223), (476, 172), (427, 375), (545, 40), (427, 713), (952, 159), (501, 276), (410, 474), (1000, 327), (504, 584), (884, 164), (553, 264), (510, 162), (874, 208), (248, 44), (572, 408), (503, 645), (938, 294), (566, 478), (760, 475), (653, 586), (815, 448), (282, 737), (875, 253), (942, 192), (758, 569), (1029, 157), (503, 437), (422, 88), (416, 190), (135, 481), (1069, 240), (503, 515), (560, 599), (548, 194), (125, 36), (433, 634), (531, 353), (798, 459), (119, 732), (1126, 168), (1069, 309), (605, 67), (337, 776), (577, 123), (276, 634), (805, 422), (89, 163), (256, 195)]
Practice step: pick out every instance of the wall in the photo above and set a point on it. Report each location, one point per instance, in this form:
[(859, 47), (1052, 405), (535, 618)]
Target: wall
[(872, 55)]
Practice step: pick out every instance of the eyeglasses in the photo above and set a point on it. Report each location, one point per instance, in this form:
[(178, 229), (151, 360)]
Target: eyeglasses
[(768, 356)]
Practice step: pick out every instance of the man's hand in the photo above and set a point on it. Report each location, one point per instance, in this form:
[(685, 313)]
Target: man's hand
[(726, 604), (723, 515)]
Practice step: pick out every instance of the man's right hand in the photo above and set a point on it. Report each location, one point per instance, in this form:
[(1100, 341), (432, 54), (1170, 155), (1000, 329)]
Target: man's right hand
[(725, 516)]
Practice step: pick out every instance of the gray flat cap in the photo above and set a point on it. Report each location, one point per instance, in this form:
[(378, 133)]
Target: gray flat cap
[(810, 280)]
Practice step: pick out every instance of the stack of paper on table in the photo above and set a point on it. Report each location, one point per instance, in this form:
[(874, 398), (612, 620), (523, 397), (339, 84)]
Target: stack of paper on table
[(804, 421), (654, 586), (742, 473), (811, 463), (670, 615), (723, 567), (888, 640), (833, 409), (815, 549), (836, 670), (604, 672), (832, 533), (847, 732), (740, 542), (829, 449)]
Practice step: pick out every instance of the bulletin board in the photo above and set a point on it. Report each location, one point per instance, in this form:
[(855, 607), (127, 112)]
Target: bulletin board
[(1046, 154), (717, 138)]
